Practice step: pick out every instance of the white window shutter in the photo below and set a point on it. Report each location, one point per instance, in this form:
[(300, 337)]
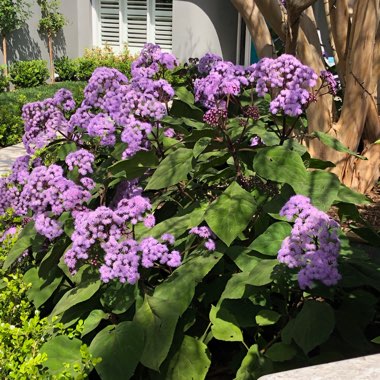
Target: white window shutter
[(110, 22), (137, 30), (163, 16)]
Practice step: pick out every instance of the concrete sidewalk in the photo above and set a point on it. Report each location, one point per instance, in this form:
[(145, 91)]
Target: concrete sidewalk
[(8, 156)]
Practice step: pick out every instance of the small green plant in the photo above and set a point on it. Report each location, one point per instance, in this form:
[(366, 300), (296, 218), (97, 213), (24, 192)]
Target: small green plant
[(29, 73), (66, 68), (4, 81)]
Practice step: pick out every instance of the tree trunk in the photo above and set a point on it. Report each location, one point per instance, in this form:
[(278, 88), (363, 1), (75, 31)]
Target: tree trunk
[(358, 54), (257, 26), (52, 71), (5, 54)]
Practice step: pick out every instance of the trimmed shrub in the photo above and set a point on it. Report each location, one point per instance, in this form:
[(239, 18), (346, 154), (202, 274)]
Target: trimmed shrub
[(66, 68), (29, 73), (4, 82)]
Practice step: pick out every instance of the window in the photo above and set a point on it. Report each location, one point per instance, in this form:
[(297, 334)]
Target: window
[(133, 22)]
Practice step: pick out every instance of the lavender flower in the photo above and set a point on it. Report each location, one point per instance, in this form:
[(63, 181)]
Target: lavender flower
[(329, 79), (82, 159), (313, 245), (205, 233), (207, 62), (48, 227)]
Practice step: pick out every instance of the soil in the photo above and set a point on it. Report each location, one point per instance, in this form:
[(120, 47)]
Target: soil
[(371, 212)]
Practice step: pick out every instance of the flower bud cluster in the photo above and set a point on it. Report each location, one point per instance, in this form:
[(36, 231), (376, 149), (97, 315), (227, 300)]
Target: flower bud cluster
[(329, 79), (215, 116), (313, 245), (82, 159)]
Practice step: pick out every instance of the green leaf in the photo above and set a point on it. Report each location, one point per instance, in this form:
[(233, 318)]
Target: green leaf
[(261, 274), (61, 350), (313, 325), (335, 144), (81, 293), (23, 242), (321, 187), (191, 361), (377, 339), (120, 348), (93, 320), (65, 149), (230, 214), (281, 352), (201, 145), (267, 317), (253, 365), (173, 169), (118, 297), (224, 330), (42, 288), (347, 195), (159, 314), (135, 166), (270, 241), (281, 165)]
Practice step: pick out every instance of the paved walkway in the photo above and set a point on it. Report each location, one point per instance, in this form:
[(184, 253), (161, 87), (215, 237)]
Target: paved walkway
[(8, 156)]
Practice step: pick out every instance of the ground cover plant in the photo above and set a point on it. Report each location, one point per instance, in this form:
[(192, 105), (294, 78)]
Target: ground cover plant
[(186, 227)]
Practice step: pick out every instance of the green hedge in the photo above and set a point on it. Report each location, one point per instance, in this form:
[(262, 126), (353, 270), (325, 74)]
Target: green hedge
[(11, 123), (29, 73)]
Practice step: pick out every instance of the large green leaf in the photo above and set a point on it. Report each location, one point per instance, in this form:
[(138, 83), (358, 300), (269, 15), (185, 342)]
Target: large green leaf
[(261, 274), (224, 330), (135, 166), (333, 143), (191, 361), (159, 313), (230, 214), (120, 348), (61, 350), (93, 320), (118, 298), (347, 195), (81, 293), (253, 365), (321, 187), (313, 325), (267, 317), (281, 165), (281, 352), (24, 241), (174, 168), (270, 241), (42, 288)]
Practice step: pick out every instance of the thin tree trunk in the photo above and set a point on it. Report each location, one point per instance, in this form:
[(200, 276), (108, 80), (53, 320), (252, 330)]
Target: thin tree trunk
[(257, 27), (52, 73), (5, 54)]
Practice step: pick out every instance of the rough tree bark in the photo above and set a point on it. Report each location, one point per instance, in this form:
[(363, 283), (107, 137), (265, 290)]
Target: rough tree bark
[(52, 71), (357, 48)]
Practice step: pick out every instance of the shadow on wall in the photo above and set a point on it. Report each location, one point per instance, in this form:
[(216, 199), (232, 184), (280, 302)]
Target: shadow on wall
[(21, 47), (59, 44)]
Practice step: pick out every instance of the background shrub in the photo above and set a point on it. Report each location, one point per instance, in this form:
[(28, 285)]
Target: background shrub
[(66, 68), (4, 82), (29, 73)]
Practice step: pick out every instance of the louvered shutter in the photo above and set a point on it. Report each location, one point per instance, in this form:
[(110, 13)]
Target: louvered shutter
[(137, 19), (163, 15), (110, 22)]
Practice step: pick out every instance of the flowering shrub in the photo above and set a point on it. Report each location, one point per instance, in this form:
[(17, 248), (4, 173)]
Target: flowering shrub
[(156, 213)]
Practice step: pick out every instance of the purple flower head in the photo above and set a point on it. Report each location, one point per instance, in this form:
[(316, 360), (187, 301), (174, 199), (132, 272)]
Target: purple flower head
[(330, 81), (82, 159), (48, 227), (256, 141), (313, 245), (215, 117), (64, 99), (102, 126), (207, 62)]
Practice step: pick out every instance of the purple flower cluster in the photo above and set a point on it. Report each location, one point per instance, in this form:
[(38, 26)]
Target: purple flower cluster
[(313, 245), (256, 141), (82, 159), (205, 233), (289, 78), (122, 257), (224, 79), (43, 120), (330, 81), (207, 62), (47, 226), (151, 60)]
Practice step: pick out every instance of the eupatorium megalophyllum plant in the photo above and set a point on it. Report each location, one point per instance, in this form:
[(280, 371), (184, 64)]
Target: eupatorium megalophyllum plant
[(161, 217)]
